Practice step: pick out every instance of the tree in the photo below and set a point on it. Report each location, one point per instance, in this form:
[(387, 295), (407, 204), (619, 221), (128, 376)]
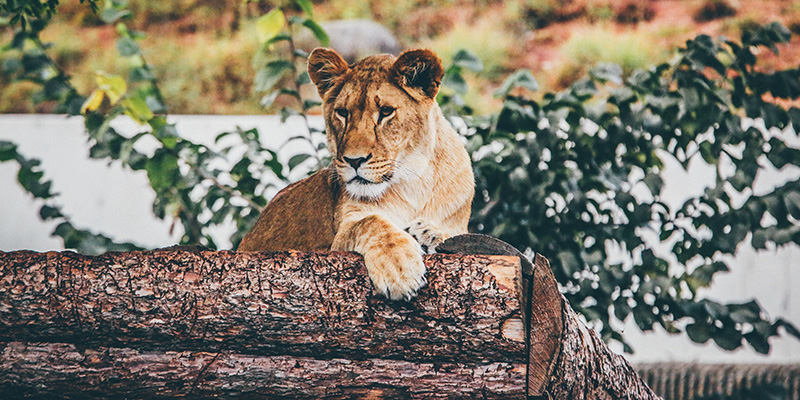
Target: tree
[(553, 175)]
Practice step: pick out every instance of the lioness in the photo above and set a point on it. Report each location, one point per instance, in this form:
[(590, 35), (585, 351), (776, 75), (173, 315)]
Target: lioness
[(400, 182)]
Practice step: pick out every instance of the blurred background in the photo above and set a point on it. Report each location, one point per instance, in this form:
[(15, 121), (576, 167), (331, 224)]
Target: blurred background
[(202, 50), (204, 54)]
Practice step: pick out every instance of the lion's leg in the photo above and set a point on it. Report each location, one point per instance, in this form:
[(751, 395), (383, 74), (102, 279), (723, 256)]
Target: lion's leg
[(427, 235), (393, 258)]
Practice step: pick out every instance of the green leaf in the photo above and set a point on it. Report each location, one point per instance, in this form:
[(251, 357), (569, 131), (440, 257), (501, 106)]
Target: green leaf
[(48, 212), (269, 98), (467, 59), (758, 341), (790, 328), (698, 332), (155, 105), (569, 263), (297, 159), (309, 104), (714, 309), (112, 86), (318, 32), (136, 108), (162, 170), (141, 74), (89, 243), (166, 131), (110, 15), (455, 81), (269, 25), (792, 200), (303, 78), (607, 72), (127, 47), (222, 135), (11, 64), (8, 150), (765, 328), (745, 313), (621, 308), (794, 114), (66, 232), (290, 92), (654, 182), (522, 78), (706, 151), (728, 338), (275, 166), (306, 5), (270, 74), (277, 38), (761, 237)]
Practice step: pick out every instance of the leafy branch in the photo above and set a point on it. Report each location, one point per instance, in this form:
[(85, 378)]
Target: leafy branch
[(577, 176), (31, 178), (192, 188), (282, 73)]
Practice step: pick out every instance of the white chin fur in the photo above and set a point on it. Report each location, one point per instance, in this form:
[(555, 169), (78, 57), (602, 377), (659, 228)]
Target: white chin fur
[(366, 191)]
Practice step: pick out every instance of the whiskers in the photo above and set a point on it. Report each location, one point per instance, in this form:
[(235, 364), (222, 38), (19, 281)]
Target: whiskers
[(387, 172), (399, 170)]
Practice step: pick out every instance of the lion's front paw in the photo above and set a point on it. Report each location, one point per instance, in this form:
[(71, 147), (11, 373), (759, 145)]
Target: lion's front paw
[(395, 267), (426, 235)]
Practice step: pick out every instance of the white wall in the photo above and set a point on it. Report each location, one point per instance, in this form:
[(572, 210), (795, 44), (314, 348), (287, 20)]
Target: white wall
[(117, 202), (103, 197)]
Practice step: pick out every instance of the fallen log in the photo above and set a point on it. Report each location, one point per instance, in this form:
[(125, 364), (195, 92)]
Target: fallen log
[(289, 325)]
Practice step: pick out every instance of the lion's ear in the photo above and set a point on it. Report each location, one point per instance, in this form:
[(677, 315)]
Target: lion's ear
[(324, 65), (420, 71)]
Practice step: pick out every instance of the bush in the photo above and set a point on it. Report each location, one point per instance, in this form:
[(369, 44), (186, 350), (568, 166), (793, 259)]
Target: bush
[(714, 9), (576, 175), (541, 13), (634, 12)]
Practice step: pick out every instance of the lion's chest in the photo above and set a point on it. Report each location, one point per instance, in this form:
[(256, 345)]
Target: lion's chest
[(400, 206)]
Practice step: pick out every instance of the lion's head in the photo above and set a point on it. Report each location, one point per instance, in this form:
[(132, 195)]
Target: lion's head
[(379, 115)]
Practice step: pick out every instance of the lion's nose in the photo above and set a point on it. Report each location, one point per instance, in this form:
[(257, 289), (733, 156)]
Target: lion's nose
[(357, 161)]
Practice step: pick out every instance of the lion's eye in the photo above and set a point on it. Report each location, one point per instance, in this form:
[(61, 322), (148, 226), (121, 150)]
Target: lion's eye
[(342, 112), (386, 111)]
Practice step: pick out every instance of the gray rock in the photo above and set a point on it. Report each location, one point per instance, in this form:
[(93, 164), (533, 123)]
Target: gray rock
[(353, 39)]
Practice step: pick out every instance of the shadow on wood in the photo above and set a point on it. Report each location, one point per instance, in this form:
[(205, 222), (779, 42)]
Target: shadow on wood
[(291, 325)]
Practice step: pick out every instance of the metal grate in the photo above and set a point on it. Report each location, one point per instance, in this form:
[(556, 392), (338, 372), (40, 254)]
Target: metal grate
[(684, 381)]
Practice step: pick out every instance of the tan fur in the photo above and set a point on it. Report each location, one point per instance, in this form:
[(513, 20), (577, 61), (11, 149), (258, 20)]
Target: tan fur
[(299, 217), (407, 186)]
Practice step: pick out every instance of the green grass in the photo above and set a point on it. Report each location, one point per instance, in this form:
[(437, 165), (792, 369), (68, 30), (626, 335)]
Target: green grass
[(206, 74), (487, 37), (83, 55), (491, 41), (202, 51), (199, 73), (630, 49)]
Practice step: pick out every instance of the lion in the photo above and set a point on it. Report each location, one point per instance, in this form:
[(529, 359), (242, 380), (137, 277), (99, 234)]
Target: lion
[(400, 181)]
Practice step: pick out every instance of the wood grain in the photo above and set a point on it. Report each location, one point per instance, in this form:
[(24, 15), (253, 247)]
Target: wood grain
[(276, 307)]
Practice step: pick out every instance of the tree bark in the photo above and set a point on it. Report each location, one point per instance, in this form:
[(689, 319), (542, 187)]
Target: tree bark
[(565, 359), (291, 325), (580, 366)]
